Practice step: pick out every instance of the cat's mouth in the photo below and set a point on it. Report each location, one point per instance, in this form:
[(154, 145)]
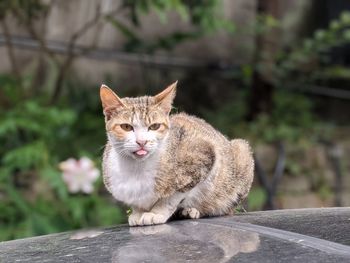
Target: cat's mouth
[(140, 153)]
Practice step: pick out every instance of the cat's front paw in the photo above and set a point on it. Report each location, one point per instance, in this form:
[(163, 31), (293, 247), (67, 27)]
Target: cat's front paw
[(150, 218), (134, 219)]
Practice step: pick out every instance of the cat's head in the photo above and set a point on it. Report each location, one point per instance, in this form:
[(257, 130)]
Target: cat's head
[(137, 127)]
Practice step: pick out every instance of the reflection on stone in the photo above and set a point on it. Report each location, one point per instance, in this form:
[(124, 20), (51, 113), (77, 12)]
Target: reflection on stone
[(187, 242), (150, 230), (85, 234)]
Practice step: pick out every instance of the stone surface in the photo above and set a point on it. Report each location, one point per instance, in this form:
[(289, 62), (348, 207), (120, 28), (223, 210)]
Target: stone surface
[(326, 223), (306, 235)]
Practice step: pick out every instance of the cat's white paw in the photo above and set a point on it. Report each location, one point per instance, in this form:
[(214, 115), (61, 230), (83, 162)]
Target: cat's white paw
[(134, 219), (191, 212), (152, 219)]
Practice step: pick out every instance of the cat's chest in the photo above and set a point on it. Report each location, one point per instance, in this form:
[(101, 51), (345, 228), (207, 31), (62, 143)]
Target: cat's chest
[(132, 183)]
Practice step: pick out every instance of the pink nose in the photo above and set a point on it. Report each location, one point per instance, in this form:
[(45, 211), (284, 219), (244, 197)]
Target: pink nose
[(141, 142)]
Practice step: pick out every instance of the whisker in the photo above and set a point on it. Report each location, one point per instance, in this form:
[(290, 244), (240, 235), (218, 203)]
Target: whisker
[(102, 147), (118, 146), (123, 153)]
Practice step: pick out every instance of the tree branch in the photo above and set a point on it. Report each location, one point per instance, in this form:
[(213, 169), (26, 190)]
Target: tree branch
[(9, 46), (41, 40), (71, 47)]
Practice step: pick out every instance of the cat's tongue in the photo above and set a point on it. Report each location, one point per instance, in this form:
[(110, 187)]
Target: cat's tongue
[(141, 152)]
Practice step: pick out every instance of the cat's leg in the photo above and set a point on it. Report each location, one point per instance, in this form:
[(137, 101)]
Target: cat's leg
[(135, 216), (162, 210)]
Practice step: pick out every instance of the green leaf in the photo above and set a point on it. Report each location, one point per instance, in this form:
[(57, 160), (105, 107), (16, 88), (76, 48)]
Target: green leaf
[(335, 25), (54, 179), (181, 9), (271, 21), (320, 34), (18, 200), (161, 13), (108, 213), (41, 225), (77, 209), (122, 28), (345, 17), (25, 157), (346, 34), (256, 198)]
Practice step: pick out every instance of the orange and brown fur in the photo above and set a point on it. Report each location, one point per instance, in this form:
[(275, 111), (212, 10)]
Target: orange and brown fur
[(159, 163)]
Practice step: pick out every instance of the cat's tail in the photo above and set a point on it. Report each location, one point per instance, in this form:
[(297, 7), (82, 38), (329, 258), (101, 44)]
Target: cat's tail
[(243, 164)]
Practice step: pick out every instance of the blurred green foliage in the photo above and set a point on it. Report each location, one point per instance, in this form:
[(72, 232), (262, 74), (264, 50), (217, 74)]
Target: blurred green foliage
[(291, 119), (307, 62), (34, 139), (256, 198), (203, 15), (25, 9)]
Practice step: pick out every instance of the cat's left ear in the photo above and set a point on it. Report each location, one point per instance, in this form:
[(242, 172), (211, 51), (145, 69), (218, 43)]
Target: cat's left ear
[(110, 101), (166, 97)]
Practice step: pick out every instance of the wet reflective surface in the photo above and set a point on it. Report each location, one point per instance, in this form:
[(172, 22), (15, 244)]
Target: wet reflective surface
[(224, 239), (332, 224)]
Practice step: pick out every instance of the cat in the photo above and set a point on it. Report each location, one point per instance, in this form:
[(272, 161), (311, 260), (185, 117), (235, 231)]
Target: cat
[(160, 164)]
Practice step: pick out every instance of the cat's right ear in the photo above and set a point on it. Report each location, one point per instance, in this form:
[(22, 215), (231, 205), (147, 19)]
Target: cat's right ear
[(110, 101)]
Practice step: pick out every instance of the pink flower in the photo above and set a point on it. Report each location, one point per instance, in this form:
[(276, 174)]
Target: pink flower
[(79, 175)]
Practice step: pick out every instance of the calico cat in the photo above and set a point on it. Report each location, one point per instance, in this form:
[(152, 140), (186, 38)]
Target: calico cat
[(159, 163)]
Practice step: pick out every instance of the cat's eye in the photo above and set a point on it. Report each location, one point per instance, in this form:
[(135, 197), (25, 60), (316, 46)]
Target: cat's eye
[(126, 127), (154, 126)]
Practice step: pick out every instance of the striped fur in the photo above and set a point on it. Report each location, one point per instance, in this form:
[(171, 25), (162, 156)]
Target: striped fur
[(189, 165)]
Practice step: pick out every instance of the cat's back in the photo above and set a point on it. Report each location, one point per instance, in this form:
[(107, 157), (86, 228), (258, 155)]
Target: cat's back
[(189, 128), (215, 172)]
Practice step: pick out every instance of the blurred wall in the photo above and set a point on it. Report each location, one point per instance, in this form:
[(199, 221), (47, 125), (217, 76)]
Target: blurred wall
[(67, 17)]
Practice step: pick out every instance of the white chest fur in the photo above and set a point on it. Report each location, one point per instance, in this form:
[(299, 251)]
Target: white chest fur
[(132, 182)]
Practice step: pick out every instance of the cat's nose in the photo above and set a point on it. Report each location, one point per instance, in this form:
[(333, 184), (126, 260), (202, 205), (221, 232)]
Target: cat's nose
[(141, 143)]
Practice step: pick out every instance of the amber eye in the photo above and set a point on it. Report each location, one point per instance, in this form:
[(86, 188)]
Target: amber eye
[(154, 126), (126, 127)]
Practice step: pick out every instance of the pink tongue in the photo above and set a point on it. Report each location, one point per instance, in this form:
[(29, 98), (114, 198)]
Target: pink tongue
[(141, 152)]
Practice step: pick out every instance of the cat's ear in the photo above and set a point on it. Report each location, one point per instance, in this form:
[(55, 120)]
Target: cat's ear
[(166, 97), (110, 100)]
